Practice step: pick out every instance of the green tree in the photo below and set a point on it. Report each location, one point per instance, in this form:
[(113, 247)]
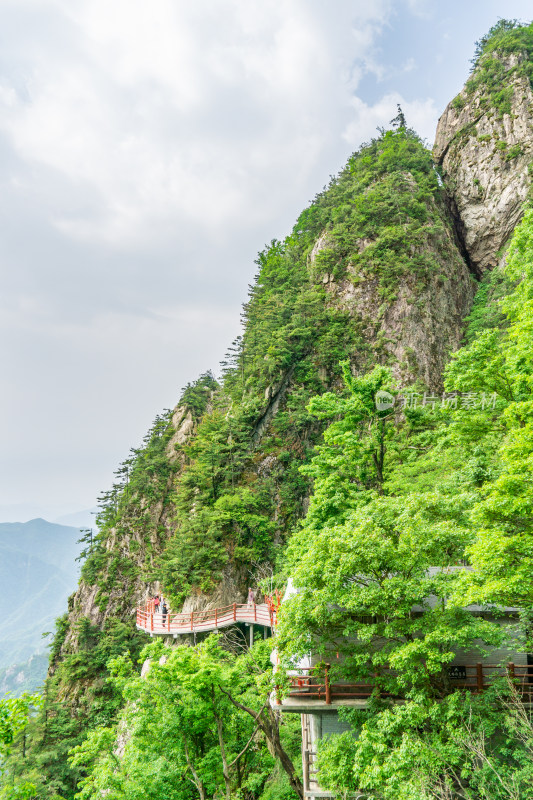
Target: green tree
[(379, 576), (183, 732), (362, 561), (502, 553)]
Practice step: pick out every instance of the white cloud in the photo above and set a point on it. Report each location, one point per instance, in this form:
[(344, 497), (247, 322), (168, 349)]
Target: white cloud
[(147, 151), (421, 8), (421, 115), (164, 109)]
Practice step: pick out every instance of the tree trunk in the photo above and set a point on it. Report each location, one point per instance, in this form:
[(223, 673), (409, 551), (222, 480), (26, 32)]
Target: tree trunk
[(225, 768), (271, 731), (268, 722), (196, 778)]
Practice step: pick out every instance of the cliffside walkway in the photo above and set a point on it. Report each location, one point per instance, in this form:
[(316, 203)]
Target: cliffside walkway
[(212, 619), (311, 687)]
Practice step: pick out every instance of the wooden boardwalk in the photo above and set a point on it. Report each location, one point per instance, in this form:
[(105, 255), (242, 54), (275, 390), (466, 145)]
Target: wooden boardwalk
[(314, 684), (212, 619)]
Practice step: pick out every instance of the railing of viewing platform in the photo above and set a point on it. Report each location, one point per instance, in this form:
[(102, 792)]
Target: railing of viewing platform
[(312, 683), (155, 621)]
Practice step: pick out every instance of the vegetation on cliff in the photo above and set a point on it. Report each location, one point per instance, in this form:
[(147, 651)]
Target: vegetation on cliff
[(493, 68), (213, 507), (221, 485), (247, 498), (453, 488)]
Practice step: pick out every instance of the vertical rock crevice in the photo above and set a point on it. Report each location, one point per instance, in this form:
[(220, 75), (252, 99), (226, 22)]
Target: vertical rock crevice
[(484, 148)]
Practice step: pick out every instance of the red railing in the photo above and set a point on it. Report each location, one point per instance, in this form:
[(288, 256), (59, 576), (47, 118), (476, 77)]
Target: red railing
[(152, 621), (314, 683)]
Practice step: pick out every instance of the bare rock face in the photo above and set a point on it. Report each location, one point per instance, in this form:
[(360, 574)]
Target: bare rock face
[(421, 326), (129, 541), (485, 157), (183, 424)]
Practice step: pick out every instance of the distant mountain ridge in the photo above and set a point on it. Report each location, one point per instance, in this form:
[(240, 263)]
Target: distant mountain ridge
[(62, 514), (38, 571), (79, 519), (27, 677)]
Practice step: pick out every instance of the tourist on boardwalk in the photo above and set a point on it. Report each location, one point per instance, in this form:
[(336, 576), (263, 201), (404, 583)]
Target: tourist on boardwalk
[(156, 602), (164, 610), (251, 597)]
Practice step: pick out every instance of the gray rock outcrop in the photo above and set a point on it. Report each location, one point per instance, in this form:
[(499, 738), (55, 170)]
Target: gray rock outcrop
[(423, 322), (485, 158)]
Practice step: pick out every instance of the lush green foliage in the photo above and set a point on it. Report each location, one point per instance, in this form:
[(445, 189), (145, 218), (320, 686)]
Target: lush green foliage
[(182, 736), (470, 748), (492, 74), (229, 495), (40, 755), (14, 716), (455, 488), (502, 553), (364, 559)]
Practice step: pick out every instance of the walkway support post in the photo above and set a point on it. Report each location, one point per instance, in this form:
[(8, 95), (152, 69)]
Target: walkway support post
[(479, 677), (328, 685), (234, 612), (216, 620)]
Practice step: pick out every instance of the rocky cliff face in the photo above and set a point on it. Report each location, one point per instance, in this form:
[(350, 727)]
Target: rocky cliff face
[(485, 148), (127, 553), (423, 321), (377, 270), (382, 281)]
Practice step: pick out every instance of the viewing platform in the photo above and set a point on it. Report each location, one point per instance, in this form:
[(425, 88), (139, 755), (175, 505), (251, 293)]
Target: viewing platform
[(311, 689), (212, 619)]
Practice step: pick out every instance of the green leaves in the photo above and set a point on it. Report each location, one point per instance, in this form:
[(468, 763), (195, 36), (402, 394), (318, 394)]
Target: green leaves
[(379, 565), (482, 367), (15, 713), (179, 735), (502, 554), (384, 576), (492, 74), (375, 573), (468, 747)]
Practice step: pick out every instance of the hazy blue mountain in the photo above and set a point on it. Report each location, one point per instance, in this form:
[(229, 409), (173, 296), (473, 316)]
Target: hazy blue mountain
[(27, 677), (80, 519), (25, 512), (38, 571), (20, 511)]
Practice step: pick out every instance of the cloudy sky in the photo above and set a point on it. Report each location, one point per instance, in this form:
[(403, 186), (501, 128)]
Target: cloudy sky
[(148, 150)]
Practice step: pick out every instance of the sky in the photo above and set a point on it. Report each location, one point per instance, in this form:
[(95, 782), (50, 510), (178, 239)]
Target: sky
[(148, 151)]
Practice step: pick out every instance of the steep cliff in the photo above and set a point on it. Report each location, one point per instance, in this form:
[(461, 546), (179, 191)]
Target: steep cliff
[(372, 273), (484, 143)]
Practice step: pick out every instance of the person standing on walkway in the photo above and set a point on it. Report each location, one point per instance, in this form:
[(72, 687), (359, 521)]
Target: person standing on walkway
[(164, 610), (251, 597)]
